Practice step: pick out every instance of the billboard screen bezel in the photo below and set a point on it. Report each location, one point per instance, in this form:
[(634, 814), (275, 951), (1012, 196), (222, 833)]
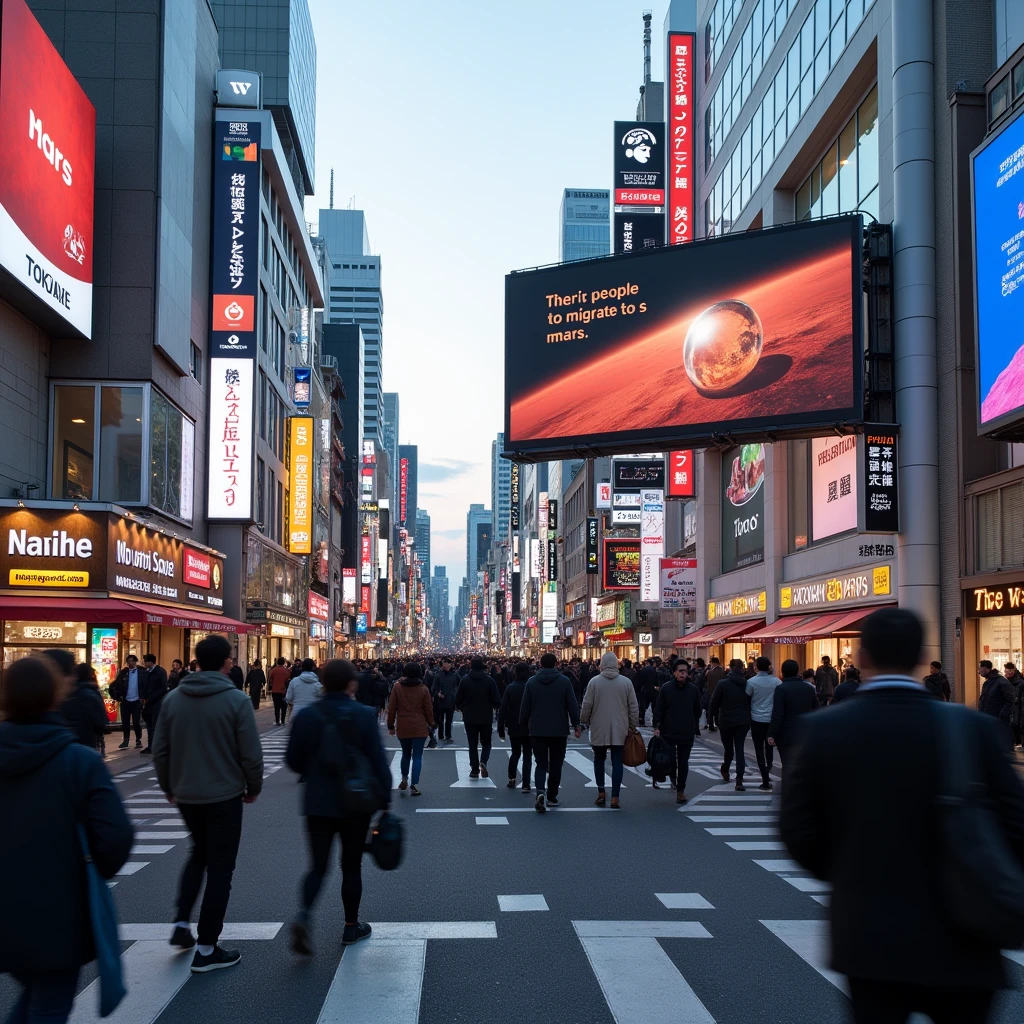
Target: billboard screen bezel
[(705, 435), (1010, 425)]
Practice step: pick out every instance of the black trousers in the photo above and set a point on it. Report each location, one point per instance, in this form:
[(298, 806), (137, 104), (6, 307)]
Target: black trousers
[(320, 833), (645, 703), (887, 1002), (549, 753), (478, 734), (280, 708), (444, 718), (150, 713), (519, 745), (762, 749), (216, 830), (131, 717), (733, 740), (682, 750)]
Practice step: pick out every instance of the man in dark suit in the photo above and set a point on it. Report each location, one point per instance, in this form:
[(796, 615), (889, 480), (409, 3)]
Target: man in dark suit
[(154, 689), (793, 698), (127, 690), (872, 832)]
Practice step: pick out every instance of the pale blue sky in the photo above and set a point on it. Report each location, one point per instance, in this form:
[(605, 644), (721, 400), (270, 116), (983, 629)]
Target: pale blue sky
[(456, 126)]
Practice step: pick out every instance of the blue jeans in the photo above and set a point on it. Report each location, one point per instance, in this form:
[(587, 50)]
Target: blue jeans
[(412, 749), (46, 997), (599, 754)]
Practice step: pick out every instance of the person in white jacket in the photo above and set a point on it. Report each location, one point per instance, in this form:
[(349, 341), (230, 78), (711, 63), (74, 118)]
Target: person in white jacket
[(610, 708), (304, 689)]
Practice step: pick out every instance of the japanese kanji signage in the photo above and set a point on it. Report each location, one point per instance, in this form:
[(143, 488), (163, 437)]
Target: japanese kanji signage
[(403, 493), (593, 545), (680, 136), (639, 163), (833, 485), (229, 493), (235, 258), (635, 232), (680, 474), (300, 476), (513, 495), (881, 483), (652, 542)]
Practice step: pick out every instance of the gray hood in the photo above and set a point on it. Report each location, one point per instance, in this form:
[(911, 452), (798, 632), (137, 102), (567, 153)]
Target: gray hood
[(204, 684)]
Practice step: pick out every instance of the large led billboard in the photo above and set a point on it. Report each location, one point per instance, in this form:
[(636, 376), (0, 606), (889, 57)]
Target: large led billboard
[(739, 335), (639, 163), (300, 478), (47, 162), (997, 180), (742, 506)]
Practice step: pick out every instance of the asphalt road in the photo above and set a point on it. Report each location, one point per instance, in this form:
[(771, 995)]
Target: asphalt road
[(650, 913)]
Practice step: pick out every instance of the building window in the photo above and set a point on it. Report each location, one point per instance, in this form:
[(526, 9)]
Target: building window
[(74, 426), (261, 509), (120, 444), (171, 435), (799, 494), (999, 99), (195, 362), (1000, 543)]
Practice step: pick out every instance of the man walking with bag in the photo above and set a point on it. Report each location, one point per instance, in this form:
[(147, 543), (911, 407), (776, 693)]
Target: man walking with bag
[(677, 721), (902, 936), (208, 761)]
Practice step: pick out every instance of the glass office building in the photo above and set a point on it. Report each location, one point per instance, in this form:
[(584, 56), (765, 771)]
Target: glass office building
[(585, 225)]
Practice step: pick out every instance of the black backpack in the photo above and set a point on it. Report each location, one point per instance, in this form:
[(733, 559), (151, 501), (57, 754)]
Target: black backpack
[(341, 758)]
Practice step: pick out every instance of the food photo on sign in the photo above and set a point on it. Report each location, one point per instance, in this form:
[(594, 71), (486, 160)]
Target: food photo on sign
[(755, 331)]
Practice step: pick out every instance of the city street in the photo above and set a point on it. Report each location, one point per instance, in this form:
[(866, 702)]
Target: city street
[(497, 914)]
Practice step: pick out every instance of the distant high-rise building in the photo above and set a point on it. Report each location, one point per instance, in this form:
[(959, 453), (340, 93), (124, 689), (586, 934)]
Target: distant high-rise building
[(478, 541), (439, 609), (501, 477), (354, 297), (275, 38), (390, 434), (585, 224), (462, 608), (408, 453), (423, 541)]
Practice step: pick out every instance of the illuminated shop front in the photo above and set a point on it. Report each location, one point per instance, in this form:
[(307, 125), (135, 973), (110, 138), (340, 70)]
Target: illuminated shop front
[(994, 628), (730, 620)]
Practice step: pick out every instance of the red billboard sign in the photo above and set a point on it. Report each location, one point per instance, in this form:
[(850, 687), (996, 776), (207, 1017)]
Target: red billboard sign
[(365, 603), (196, 568), (680, 474), (47, 162), (319, 607), (680, 142)]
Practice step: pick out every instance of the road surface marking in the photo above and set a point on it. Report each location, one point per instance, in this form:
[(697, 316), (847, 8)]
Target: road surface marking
[(779, 865), (377, 980), (641, 929), (396, 770), (723, 818), (131, 866), (465, 782), (510, 904), (810, 941), (768, 845), (805, 884), (683, 901), (138, 850), (559, 809), (825, 901), (163, 835), (585, 767), (491, 821)]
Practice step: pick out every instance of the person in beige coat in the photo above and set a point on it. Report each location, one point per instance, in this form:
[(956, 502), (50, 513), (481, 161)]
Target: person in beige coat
[(610, 709)]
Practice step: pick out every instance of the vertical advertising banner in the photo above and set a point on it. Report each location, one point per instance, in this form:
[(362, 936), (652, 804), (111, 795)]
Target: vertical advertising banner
[(235, 259), (348, 586), (639, 163), (365, 559), (47, 162), (881, 476), (364, 604), (603, 498), (403, 492), (680, 474), (680, 142), (516, 595), (552, 560), (634, 232), (300, 479), (552, 514), (652, 542), (229, 493), (742, 506), (513, 495), (833, 485), (593, 552), (301, 391), (679, 583)]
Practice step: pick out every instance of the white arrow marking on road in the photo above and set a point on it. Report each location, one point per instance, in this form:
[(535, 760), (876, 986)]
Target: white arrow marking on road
[(809, 940), (465, 782), (585, 767), (630, 964)]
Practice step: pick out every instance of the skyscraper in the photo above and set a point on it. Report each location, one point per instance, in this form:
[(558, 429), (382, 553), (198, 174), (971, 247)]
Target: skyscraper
[(439, 609), (390, 434), (478, 542), (585, 224), (355, 298), (501, 476), (423, 541), (409, 454)]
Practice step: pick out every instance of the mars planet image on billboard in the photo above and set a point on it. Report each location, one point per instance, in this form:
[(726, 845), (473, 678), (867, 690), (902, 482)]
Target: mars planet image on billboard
[(722, 346)]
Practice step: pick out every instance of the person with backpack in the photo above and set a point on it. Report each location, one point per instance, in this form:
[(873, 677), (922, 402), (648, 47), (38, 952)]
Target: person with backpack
[(927, 938), (518, 734), (335, 744), (411, 717), (677, 720), (304, 688)]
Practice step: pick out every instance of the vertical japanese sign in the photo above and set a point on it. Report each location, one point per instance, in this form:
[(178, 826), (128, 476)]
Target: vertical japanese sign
[(300, 478), (593, 552), (652, 542), (365, 558), (513, 495), (552, 560), (234, 276), (680, 141), (680, 474), (552, 514), (833, 485), (403, 491), (348, 586), (229, 493), (881, 490)]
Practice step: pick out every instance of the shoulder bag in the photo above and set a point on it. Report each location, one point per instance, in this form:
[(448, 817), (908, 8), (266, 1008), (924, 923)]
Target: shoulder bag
[(103, 919), (634, 753), (980, 878)]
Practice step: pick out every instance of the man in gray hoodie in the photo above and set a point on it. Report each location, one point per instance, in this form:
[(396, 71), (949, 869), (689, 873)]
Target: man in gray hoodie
[(208, 762), (549, 707)]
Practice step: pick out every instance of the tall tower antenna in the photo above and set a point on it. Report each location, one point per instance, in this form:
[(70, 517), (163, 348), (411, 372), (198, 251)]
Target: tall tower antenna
[(647, 47)]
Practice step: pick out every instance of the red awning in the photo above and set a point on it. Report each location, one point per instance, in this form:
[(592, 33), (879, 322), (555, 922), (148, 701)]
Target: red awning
[(798, 629), (110, 609), (716, 632)]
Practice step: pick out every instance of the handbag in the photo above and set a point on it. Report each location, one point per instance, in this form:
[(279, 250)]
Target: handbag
[(103, 919), (386, 841), (634, 753), (980, 878)]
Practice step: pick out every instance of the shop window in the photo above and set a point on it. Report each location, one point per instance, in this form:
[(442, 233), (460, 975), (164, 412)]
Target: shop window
[(799, 495), (253, 568), (120, 447), (171, 440), (74, 427), (1018, 81)]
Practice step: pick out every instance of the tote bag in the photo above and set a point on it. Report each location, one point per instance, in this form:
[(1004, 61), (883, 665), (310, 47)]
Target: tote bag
[(634, 753), (103, 918)]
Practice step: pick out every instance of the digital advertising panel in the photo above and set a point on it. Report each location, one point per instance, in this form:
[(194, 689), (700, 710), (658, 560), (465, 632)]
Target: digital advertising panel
[(621, 564), (513, 496), (678, 582), (229, 491), (750, 333), (634, 232), (996, 182), (303, 377), (348, 586), (742, 506), (593, 544), (47, 171), (639, 163), (235, 231), (300, 477), (881, 482), (833, 485), (681, 47)]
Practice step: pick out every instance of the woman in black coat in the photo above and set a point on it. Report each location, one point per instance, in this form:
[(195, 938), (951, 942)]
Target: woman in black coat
[(49, 784)]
